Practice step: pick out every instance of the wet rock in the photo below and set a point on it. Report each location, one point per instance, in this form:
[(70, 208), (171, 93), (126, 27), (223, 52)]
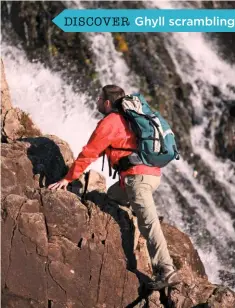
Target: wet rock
[(225, 40), (225, 133), (31, 24), (27, 163), (16, 124), (5, 94)]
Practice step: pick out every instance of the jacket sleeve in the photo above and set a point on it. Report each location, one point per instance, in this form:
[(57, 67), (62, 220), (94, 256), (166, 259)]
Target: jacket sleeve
[(100, 139)]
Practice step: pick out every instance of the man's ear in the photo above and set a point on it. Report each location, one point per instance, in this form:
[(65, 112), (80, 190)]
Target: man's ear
[(107, 103)]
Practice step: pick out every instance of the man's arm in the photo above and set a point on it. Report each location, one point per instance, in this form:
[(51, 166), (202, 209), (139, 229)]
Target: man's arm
[(101, 138)]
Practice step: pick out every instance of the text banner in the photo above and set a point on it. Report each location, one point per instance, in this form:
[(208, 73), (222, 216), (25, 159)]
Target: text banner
[(146, 20)]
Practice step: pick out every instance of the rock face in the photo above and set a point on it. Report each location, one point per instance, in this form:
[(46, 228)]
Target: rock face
[(58, 252), (15, 123), (5, 95), (44, 41), (225, 134), (225, 40), (58, 255), (22, 167)]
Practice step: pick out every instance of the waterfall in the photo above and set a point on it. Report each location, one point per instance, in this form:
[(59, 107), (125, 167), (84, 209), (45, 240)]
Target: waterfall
[(204, 69), (51, 103), (110, 64)]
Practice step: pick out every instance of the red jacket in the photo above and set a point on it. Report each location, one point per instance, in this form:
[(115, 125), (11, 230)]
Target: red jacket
[(112, 130)]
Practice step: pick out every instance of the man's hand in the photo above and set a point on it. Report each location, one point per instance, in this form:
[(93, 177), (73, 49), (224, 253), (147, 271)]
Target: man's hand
[(62, 184)]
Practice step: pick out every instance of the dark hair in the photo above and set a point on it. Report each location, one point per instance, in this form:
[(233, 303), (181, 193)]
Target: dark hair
[(112, 93)]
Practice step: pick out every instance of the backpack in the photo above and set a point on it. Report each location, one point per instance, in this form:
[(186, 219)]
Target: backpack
[(156, 145)]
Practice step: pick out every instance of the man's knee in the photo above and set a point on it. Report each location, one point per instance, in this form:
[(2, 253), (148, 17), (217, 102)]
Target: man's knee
[(146, 213), (149, 221)]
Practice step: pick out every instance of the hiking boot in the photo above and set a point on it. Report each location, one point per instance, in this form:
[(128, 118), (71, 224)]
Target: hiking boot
[(164, 279)]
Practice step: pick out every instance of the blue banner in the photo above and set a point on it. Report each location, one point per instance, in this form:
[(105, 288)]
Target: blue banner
[(146, 20)]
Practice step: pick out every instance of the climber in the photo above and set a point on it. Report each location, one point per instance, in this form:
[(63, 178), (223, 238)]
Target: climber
[(137, 183)]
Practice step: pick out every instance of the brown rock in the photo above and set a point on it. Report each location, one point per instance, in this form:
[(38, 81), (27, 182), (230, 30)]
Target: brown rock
[(76, 255), (50, 157), (96, 181), (26, 275), (17, 172), (221, 298), (5, 95), (34, 163), (9, 213), (83, 256), (16, 124), (32, 226), (184, 256), (9, 301)]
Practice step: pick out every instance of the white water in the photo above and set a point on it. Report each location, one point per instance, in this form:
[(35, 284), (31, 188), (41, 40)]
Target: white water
[(196, 59), (54, 107), (111, 67), (110, 64), (40, 92)]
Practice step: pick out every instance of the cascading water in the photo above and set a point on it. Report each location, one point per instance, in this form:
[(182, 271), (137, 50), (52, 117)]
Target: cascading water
[(52, 104), (110, 65), (211, 228), (182, 198)]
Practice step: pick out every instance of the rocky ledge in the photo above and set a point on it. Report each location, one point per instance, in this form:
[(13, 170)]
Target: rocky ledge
[(60, 251)]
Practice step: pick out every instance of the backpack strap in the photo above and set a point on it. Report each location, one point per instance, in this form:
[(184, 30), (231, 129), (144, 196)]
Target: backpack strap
[(150, 118), (103, 160), (124, 149), (126, 162), (123, 163), (177, 154)]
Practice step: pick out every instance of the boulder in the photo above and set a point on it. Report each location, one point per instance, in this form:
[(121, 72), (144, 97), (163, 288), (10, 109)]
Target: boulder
[(34, 162), (15, 123), (5, 94), (57, 250)]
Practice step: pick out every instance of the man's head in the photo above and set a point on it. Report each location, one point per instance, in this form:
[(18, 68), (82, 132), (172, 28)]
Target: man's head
[(109, 94)]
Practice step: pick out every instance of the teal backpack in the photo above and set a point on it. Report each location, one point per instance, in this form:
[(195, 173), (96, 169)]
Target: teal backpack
[(156, 145)]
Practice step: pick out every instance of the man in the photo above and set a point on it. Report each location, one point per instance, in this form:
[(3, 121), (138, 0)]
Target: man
[(137, 183)]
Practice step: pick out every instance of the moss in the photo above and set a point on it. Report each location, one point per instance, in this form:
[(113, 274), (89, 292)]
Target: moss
[(94, 76), (43, 41), (53, 50), (121, 43), (27, 128), (88, 61)]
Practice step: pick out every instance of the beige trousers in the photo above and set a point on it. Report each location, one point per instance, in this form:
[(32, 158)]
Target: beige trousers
[(139, 192)]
